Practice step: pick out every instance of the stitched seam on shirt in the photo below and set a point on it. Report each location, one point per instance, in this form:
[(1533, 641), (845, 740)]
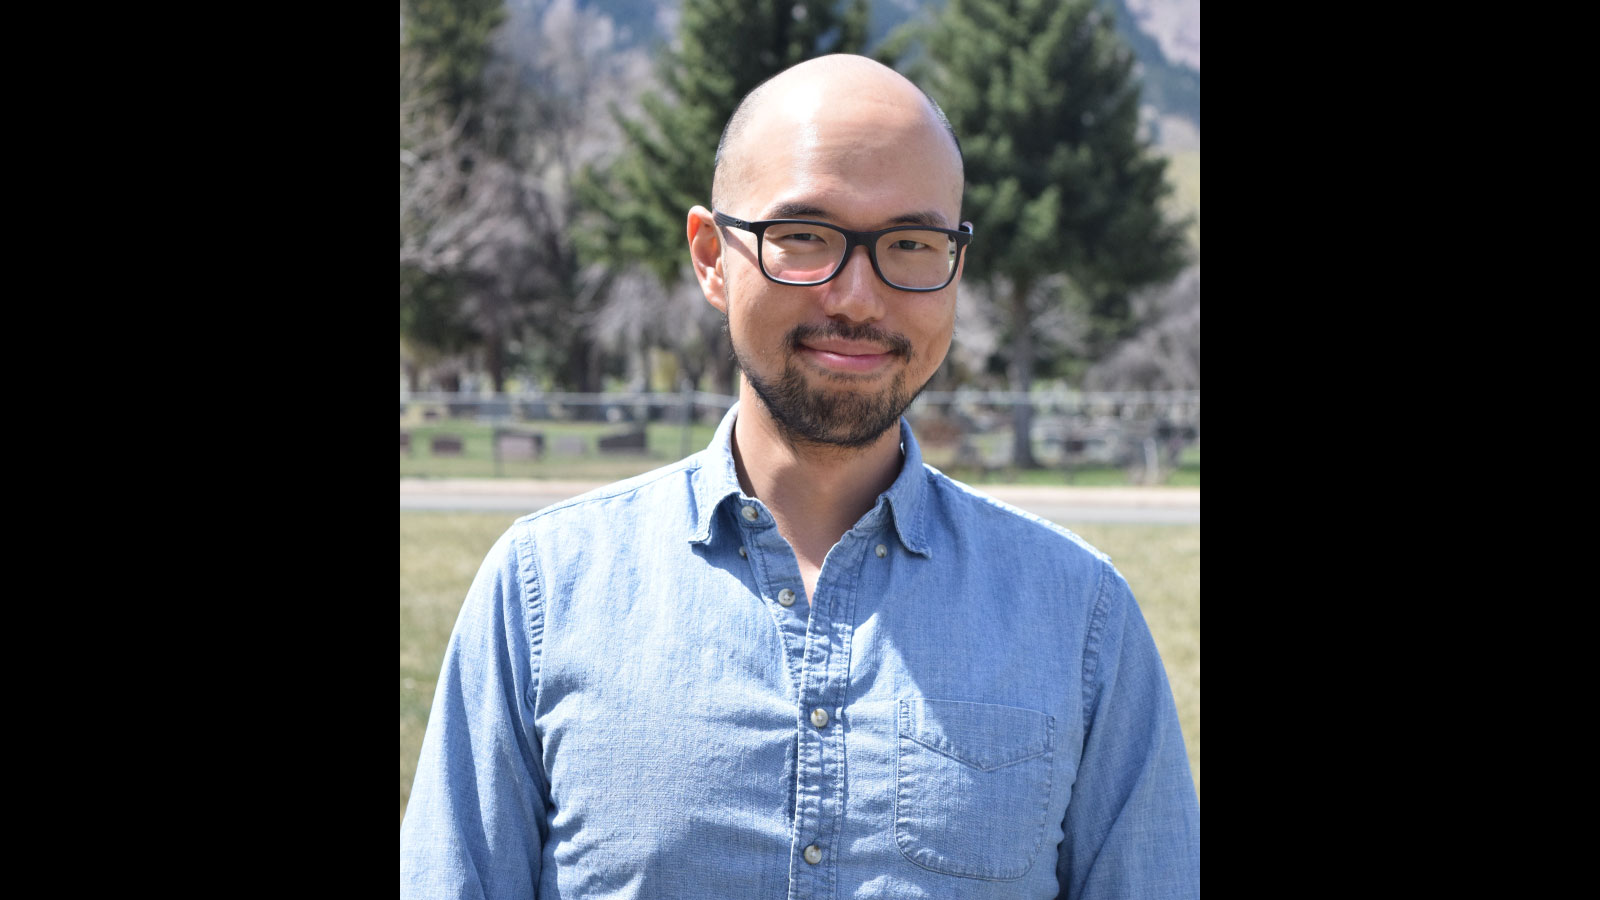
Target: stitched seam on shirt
[(1091, 645), (762, 577), (844, 624), (969, 763), (533, 621), (685, 466), (973, 494), (899, 836), (532, 612)]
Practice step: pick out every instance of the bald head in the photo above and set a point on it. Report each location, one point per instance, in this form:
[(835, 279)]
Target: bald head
[(800, 101)]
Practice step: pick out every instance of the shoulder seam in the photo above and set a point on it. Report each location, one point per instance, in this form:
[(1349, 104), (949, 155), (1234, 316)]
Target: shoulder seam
[(938, 478), (1091, 644), (532, 611), (617, 489)]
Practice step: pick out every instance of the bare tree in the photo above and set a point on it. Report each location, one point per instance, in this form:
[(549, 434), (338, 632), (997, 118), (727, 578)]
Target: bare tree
[(488, 210), (1164, 354)]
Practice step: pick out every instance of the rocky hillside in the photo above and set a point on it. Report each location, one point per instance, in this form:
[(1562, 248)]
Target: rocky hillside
[(1163, 34)]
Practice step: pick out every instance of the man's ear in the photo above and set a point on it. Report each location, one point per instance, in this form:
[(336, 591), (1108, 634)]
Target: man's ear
[(705, 252)]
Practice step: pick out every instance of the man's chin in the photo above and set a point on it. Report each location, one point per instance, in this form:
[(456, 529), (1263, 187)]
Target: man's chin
[(834, 418)]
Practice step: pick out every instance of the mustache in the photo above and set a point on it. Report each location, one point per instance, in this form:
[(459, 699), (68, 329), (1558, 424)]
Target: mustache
[(897, 344)]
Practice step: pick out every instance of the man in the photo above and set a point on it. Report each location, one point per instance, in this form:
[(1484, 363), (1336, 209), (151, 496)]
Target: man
[(801, 663)]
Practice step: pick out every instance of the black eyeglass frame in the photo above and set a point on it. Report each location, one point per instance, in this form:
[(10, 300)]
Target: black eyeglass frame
[(867, 239)]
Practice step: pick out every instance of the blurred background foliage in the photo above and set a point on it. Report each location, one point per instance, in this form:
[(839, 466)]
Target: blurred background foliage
[(550, 149)]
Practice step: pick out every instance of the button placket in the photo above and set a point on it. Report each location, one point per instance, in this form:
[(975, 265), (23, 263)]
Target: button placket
[(772, 566), (817, 806), (824, 687)]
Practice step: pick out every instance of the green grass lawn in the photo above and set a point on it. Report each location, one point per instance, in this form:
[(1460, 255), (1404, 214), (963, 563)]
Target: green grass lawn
[(667, 443), (440, 553)]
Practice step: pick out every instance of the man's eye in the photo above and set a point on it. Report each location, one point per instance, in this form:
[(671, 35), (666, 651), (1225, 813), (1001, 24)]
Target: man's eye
[(802, 237), (908, 244)]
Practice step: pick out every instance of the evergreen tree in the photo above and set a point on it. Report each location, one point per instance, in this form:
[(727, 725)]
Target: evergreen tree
[(450, 38), (724, 49), (444, 50), (1059, 183)]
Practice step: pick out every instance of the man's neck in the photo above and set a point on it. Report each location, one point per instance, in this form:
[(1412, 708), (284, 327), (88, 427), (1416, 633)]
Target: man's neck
[(815, 492)]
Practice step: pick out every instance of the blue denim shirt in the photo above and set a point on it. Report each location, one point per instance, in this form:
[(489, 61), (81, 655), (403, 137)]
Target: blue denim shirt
[(637, 701)]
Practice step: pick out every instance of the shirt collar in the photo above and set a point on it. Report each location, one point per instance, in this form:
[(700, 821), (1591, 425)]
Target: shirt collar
[(715, 479)]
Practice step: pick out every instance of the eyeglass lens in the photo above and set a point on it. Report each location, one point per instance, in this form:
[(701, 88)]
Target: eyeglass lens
[(809, 253)]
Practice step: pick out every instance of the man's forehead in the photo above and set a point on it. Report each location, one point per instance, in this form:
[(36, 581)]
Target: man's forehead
[(859, 177), (844, 139)]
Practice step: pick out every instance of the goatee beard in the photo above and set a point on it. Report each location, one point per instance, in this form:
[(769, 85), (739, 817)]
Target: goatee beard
[(814, 414)]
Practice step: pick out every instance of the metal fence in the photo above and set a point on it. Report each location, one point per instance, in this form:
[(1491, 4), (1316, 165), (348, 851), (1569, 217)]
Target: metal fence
[(1143, 432)]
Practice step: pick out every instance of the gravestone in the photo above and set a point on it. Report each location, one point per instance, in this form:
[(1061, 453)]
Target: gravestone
[(518, 444), (446, 445), (626, 442)]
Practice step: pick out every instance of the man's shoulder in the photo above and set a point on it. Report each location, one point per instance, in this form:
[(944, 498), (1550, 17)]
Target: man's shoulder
[(997, 523), (654, 492)]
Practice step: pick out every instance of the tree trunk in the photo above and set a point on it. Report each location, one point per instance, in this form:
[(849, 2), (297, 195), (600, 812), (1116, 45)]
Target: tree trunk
[(723, 366), (495, 361), (691, 368), (580, 364), (1020, 372)]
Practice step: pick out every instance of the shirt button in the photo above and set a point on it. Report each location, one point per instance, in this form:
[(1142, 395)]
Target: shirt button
[(743, 554), (813, 854), (786, 597), (749, 513), (882, 551), (819, 717)]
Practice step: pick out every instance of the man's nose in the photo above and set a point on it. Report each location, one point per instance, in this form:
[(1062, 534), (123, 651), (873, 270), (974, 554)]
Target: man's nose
[(856, 293)]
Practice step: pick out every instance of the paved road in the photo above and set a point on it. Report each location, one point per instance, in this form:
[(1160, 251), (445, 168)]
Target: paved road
[(1175, 506)]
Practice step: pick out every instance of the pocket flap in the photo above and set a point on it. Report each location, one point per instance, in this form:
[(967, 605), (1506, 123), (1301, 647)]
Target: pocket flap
[(982, 735)]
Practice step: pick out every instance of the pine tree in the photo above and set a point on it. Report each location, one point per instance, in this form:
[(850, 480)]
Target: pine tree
[(444, 49), (723, 50), (451, 38), (1059, 183)]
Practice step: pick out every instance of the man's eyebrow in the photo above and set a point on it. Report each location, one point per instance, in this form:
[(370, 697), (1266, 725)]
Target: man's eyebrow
[(927, 218), (797, 211)]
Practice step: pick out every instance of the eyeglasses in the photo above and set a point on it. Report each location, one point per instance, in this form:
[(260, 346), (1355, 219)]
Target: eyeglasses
[(805, 252)]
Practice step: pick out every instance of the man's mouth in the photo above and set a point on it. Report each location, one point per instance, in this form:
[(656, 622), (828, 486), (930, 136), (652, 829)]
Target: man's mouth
[(844, 343), (847, 362)]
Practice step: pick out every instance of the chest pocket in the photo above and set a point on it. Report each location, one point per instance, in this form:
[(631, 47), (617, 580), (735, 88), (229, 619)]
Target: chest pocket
[(973, 787)]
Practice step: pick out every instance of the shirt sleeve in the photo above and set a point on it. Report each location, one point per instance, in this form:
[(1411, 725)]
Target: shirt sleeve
[(475, 824), (1132, 827)]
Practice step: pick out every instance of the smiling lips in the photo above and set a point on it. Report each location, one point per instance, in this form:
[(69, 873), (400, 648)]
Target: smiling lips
[(846, 355)]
